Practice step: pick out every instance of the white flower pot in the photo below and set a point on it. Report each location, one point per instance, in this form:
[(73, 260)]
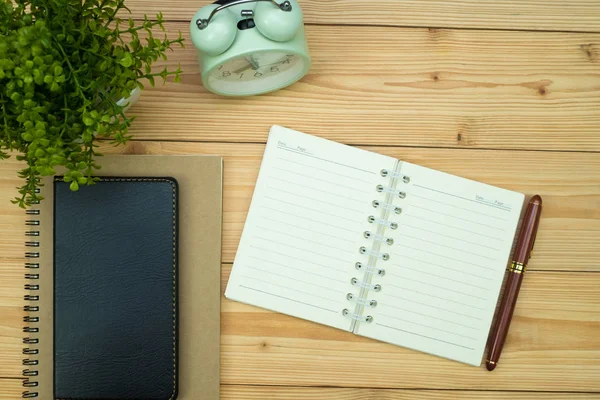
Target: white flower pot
[(132, 99)]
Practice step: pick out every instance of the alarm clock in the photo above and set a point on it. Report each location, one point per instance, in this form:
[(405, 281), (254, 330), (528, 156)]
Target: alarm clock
[(249, 47)]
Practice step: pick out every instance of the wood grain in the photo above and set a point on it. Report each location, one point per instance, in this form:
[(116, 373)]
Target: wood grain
[(11, 390), (261, 347), (568, 182), (241, 392), (550, 15), (404, 87)]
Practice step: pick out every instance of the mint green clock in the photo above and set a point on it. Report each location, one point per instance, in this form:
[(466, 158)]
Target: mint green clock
[(249, 47)]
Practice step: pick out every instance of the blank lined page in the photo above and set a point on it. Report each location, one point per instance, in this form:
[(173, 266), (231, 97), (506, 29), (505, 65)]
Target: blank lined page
[(305, 226), (446, 265)]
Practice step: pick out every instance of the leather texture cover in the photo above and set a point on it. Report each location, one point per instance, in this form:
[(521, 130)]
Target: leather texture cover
[(115, 290)]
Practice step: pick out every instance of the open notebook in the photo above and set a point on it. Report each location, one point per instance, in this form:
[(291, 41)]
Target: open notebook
[(374, 245)]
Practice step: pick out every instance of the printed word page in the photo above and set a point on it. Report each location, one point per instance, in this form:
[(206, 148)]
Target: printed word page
[(307, 219), (446, 264)]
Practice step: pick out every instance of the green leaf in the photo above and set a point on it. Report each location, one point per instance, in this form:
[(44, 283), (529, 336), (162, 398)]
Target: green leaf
[(48, 171), (88, 121), (74, 186), (126, 60)]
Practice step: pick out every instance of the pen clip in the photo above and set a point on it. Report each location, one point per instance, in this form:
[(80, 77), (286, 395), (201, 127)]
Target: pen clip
[(535, 232)]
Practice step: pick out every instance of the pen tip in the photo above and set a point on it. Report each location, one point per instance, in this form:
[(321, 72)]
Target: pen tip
[(490, 365), (537, 200)]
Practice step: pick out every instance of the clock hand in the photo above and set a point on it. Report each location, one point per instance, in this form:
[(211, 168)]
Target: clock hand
[(244, 68), (275, 63), (252, 62)]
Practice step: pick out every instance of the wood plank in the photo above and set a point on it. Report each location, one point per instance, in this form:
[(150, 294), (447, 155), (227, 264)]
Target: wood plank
[(242, 392), (568, 182), (11, 389), (405, 87), (551, 15), (553, 338)]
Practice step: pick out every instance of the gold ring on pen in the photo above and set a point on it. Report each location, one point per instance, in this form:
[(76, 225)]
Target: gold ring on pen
[(517, 267)]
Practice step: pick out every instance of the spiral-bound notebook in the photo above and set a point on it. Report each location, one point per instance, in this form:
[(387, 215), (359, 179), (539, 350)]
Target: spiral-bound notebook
[(123, 294), (374, 245)]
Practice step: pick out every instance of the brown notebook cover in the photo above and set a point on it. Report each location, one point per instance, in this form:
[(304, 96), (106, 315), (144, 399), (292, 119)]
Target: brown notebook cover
[(200, 210)]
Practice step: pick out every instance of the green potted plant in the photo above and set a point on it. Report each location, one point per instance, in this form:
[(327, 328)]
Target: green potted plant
[(68, 69)]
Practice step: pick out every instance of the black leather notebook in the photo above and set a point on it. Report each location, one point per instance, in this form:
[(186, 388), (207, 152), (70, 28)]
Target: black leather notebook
[(115, 290)]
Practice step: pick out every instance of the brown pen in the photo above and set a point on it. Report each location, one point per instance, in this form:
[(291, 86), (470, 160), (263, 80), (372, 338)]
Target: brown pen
[(514, 279)]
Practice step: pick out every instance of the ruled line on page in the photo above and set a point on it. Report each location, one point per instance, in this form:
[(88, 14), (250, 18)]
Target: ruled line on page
[(315, 189), (301, 249), (328, 245), (427, 337), (428, 316), (299, 270), (451, 237), (308, 219), (295, 279), (404, 267), (322, 180), (504, 208), (451, 226), (428, 326), (454, 216), (309, 230), (469, 273), (289, 288), (440, 287), (298, 259), (430, 306), (315, 210), (437, 297), (455, 206), (443, 245), (324, 159), (443, 256), (287, 298), (324, 170), (314, 199)]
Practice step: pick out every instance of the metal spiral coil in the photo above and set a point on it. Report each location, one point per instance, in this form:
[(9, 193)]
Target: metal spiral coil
[(378, 238), (30, 319)]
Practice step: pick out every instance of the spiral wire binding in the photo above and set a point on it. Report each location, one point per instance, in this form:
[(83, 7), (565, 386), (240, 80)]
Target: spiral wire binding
[(31, 319), (374, 253)]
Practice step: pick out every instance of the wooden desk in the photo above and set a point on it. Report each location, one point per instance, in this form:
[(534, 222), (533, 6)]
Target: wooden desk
[(505, 92)]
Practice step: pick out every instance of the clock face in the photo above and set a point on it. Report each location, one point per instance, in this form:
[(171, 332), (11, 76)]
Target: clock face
[(256, 73)]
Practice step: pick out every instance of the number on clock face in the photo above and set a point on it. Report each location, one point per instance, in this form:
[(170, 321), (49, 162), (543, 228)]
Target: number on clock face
[(255, 66)]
